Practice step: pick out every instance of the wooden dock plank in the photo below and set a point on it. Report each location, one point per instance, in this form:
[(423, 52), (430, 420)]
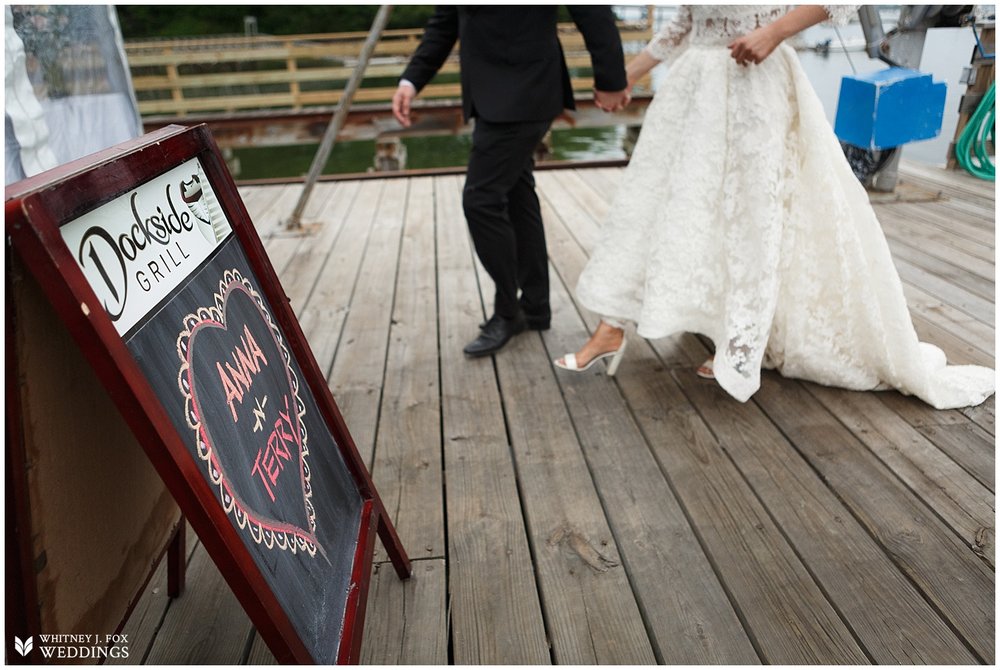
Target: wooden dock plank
[(144, 622), (943, 217), (920, 618), (823, 531), (919, 415), (589, 607), (978, 214), (946, 270), (323, 316), (591, 614), (496, 616), (562, 518), (259, 653), (251, 196), (686, 610), (416, 633), (956, 581), (268, 217), (359, 365), (586, 198), (281, 245), (903, 227), (956, 322), (964, 503), (582, 209), (407, 620), (582, 218), (984, 415), (206, 624), (408, 467), (938, 245), (956, 184), (746, 548), (968, 445), (899, 607), (959, 182), (259, 203), (956, 350), (603, 181), (300, 277), (975, 306), (786, 613)]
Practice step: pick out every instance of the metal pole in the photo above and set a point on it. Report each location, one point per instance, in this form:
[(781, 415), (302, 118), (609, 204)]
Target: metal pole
[(906, 47), (339, 116), (871, 25)]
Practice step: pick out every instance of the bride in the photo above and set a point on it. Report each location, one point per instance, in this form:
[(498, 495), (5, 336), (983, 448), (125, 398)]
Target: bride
[(739, 218)]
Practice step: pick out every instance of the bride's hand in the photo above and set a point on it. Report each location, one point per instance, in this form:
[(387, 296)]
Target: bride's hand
[(755, 46)]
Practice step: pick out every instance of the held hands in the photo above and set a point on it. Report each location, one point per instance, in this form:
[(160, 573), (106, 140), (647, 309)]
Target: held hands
[(612, 101), (755, 46), (608, 101), (401, 99)]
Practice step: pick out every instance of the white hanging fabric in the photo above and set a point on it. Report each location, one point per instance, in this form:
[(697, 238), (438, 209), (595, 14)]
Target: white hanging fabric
[(25, 116), (68, 80)]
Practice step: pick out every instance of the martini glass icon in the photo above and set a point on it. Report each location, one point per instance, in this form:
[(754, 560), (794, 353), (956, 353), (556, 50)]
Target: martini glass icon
[(194, 197)]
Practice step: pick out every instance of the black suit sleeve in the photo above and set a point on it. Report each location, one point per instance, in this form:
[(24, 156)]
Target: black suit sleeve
[(600, 34), (439, 38)]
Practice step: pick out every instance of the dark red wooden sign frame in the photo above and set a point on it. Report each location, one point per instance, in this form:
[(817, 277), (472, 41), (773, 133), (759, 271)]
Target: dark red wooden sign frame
[(34, 211)]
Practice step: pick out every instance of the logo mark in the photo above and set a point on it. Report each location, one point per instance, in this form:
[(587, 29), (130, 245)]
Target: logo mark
[(23, 647)]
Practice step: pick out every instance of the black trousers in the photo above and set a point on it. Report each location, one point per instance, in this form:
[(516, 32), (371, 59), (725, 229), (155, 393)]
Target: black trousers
[(504, 218)]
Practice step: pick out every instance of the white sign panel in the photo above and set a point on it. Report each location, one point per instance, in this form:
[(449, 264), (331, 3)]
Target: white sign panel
[(137, 248)]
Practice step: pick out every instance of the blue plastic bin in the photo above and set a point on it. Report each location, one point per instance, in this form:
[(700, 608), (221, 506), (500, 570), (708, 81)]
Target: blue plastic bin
[(888, 108)]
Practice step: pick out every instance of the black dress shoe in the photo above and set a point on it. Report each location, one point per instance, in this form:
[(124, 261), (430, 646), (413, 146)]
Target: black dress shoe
[(494, 334)]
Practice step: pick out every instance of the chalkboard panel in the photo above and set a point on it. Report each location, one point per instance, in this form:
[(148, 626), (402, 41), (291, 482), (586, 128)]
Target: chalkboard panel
[(232, 386), (162, 280)]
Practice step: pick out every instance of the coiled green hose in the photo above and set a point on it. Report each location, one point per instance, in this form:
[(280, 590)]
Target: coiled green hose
[(970, 150)]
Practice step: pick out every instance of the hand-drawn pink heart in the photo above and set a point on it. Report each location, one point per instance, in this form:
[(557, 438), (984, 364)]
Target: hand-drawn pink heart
[(242, 400)]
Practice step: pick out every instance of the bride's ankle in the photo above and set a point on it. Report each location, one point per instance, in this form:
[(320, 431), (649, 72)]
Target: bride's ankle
[(605, 338), (606, 329), (614, 324)]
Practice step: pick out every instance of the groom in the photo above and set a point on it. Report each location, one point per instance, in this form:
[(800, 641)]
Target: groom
[(514, 83)]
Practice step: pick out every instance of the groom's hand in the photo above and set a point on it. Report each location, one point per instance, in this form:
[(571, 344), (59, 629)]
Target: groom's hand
[(405, 93), (611, 101)]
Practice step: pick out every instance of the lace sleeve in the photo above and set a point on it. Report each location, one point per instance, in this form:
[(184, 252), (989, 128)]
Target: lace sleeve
[(671, 37), (840, 14)]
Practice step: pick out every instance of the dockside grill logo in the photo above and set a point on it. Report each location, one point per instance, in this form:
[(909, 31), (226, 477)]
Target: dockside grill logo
[(66, 647), (135, 249)]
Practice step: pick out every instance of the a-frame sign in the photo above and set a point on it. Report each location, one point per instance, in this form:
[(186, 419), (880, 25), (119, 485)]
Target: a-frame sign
[(150, 259)]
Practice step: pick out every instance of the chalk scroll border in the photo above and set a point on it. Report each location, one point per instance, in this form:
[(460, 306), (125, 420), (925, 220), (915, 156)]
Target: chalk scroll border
[(271, 535)]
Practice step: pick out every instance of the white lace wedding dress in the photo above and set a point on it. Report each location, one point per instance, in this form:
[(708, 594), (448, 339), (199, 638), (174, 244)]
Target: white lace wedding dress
[(739, 218)]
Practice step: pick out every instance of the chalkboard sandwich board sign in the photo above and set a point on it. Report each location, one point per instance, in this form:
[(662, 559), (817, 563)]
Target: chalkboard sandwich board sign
[(150, 259)]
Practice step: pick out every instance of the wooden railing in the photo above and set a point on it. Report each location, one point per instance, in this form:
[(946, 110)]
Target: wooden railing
[(294, 72)]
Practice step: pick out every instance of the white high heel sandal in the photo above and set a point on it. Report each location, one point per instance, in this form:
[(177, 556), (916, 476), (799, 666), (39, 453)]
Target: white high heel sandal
[(569, 360)]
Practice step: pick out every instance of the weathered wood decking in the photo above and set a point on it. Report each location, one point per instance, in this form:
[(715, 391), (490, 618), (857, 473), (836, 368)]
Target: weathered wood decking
[(557, 518)]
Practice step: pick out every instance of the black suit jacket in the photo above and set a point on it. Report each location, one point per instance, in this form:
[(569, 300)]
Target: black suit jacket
[(512, 63)]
